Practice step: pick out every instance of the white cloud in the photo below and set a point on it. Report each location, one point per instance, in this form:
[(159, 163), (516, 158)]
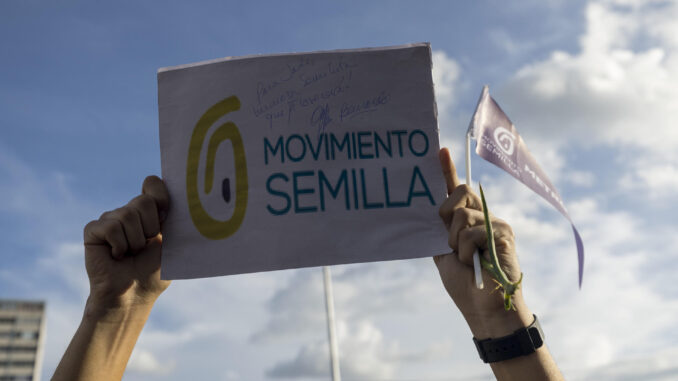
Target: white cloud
[(448, 85), (310, 362), (446, 72), (618, 90), (580, 178), (592, 327), (504, 41), (367, 296), (68, 264), (295, 308), (661, 179), (144, 362), (661, 367), (365, 354)]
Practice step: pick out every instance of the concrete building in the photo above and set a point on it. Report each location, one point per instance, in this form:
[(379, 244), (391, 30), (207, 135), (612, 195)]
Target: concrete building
[(22, 332)]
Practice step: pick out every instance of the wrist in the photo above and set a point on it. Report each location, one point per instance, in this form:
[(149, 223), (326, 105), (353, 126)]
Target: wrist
[(499, 323), (116, 310)]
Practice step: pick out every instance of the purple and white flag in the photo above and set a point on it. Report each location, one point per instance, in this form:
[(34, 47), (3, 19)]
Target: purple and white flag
[(500, 144)]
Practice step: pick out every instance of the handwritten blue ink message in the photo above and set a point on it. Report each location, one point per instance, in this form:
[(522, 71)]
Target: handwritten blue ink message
[(304, 84)]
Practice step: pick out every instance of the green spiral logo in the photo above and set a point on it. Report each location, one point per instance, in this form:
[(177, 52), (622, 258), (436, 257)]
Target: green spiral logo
[(206, 225)]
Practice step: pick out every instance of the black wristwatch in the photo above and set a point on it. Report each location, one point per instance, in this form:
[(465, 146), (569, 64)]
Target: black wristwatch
[(520, 343)]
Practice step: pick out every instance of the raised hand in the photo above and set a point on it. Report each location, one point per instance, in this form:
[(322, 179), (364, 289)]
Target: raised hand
[(122, 250), (462, 214)]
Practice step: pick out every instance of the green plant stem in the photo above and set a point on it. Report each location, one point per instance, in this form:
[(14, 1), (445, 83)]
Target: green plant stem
[(492, 266)]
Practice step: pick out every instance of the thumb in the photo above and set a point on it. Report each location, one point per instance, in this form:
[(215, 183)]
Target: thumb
[(449, 170), (155, 187)]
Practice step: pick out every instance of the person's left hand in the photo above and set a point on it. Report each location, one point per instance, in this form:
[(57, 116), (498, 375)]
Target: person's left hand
[(462, 215)]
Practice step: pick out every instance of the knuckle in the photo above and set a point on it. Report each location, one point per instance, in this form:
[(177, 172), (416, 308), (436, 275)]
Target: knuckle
[(503, 243), (475, 202), (127, 215), (503, 227), (465, 188), (461, 214), (90, 225), (86, 231), (113, 229), (458, 192)]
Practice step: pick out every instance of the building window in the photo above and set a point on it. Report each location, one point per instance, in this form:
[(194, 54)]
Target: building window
[(17, 363), (28, 320), (29, 335), (29, 349)]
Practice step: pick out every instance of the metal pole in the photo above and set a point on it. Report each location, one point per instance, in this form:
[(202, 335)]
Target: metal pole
[(468, 159), (476, 256), (331, 332)]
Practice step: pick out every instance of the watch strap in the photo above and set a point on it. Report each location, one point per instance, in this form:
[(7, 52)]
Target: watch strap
[(520, 343)]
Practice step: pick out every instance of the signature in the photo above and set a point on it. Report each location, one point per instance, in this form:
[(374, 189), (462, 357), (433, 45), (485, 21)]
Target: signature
[(350, 110), (321, 117)]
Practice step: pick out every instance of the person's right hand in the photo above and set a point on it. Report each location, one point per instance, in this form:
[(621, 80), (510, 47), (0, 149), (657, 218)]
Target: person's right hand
[(463, 217), (122, 252)]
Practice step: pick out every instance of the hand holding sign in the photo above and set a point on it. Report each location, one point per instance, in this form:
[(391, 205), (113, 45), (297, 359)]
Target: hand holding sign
[(122, 251), (462, 215)]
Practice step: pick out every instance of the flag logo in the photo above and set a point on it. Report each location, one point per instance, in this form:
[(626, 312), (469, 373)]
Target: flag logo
[(228, 131), (505, 140)]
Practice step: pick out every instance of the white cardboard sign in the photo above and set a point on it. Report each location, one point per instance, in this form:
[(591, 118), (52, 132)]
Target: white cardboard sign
[(295, 160)]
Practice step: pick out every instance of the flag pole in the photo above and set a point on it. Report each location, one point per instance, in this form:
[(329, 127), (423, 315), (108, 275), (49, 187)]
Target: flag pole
[(331, 332), (476, 257)]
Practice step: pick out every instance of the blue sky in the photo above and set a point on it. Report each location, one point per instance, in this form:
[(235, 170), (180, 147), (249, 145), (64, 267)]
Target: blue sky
[(589, 85)]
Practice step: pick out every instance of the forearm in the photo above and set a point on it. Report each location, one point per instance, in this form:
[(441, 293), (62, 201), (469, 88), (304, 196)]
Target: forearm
[(103, 342), (539, 365)]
